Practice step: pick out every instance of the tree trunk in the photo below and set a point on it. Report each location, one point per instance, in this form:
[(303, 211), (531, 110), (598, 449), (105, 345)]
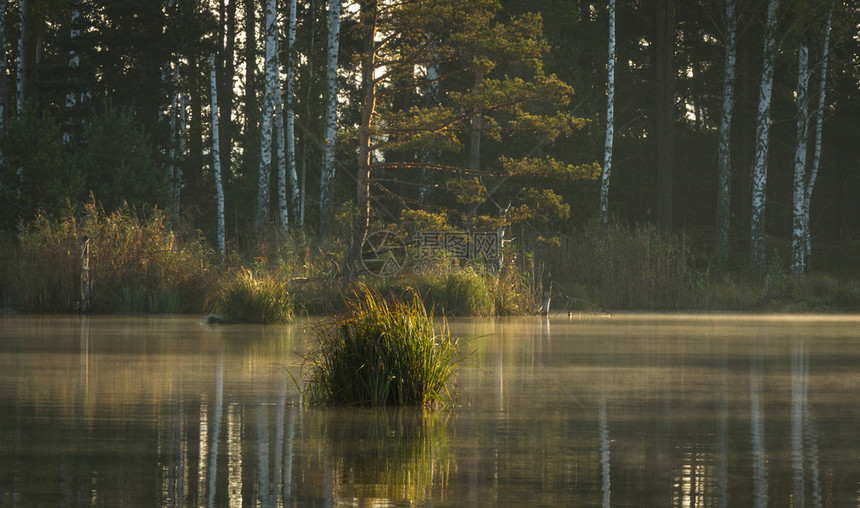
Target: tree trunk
[(819, 124), (665, 109), (724, 156), (195, 159), (476, 126), (74, 62), (4, 77), (306, 149), (216, 156), (328, 169), (23, 58), (173, 170), (283, 210), (759, 174), (251, 108), (798, 249), (370, 12), (610, 121), (291, 108), (226, 71), (429, 155), (271, 81)]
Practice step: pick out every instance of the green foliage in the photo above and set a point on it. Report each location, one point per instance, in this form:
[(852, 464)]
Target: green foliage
[(249, 299), (119, 161), (457, 292), (37, 172), (549, 167), (112, 158), (381, 353)]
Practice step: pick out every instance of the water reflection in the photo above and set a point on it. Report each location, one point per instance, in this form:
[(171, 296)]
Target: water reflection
[(604, 450), (653, 411), (759, 459)]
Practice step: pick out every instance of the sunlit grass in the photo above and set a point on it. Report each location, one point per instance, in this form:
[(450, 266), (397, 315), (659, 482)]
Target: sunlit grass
[(381, 353), (249, 299)]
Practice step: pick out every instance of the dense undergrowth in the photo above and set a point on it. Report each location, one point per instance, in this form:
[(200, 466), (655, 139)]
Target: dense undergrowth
[(139, 265)]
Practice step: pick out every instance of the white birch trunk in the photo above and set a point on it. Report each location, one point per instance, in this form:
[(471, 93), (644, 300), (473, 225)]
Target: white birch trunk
[(283, 209), (216, 157), (759, 174), (610, 121), (271, 79), (278, 112), (725, 147), (819, 125), (798, 250), (291, 109), (328, 170), (74, 63)]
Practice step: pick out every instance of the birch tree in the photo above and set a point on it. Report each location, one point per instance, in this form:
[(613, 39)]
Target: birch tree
[(291, 108), (759, 173), (724, 149), (798, 249), (328, 169), (271, 81), (610, 121), (819, 123), (216, 157), (278, 113)]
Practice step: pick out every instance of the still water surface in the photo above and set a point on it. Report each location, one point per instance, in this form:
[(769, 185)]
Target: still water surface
[(626, 411)]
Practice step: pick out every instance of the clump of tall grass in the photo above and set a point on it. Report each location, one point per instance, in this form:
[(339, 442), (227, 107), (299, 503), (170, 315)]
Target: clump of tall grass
[(249, 299), (447, 288), (381, 353), (458, 292)]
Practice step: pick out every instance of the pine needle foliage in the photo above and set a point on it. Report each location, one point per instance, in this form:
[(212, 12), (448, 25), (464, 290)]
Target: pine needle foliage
[(381, 353)]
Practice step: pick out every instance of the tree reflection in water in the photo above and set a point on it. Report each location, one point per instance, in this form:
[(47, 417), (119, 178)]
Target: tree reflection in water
[(630, 411)]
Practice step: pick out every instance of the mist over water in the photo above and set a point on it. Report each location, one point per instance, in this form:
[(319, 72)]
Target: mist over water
[(645, 410)]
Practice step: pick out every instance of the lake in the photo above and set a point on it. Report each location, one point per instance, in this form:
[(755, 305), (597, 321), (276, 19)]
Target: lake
[(628, 410)]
